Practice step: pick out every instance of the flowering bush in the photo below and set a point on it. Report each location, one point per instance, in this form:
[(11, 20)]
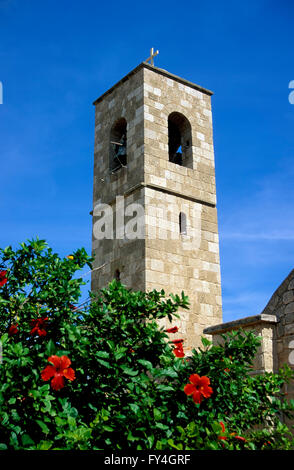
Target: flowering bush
[(105, 376)]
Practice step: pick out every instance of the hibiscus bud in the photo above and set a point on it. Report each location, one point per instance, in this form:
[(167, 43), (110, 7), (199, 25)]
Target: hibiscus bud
[(177, 341), (174, 329), (13, 330)]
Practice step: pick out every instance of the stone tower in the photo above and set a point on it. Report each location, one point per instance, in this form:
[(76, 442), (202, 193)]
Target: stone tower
[(154, 201)]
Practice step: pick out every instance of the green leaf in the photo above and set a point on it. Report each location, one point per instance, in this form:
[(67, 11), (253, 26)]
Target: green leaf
[(131, 437), (111, 344), (45, 445), (214, 446), (129, 371), (134, 407), (27, 440), (50, 348), (157, 414), (165, 388), (5, 419), (59, 421), (103, 354), (43, 426), (71, 421), (4, 338), (175, 446), (205, 342), (47, 406), (103, 363), (161, 426), (150, 441), (107, 428), (169, 372), (146, 364), (120, 352), (216, 427)]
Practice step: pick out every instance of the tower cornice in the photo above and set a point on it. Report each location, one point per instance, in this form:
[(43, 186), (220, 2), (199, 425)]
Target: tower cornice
[(156, 70)]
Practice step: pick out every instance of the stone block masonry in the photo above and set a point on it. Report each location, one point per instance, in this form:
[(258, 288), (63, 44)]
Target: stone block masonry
[(275, 326), (165, 258)]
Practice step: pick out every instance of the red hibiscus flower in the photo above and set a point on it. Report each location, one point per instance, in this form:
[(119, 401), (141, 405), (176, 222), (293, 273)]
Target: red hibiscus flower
[(174, 329), (13, 330), (3, 278), (58, 371), (39, 325), (179, 351), (199, 388)]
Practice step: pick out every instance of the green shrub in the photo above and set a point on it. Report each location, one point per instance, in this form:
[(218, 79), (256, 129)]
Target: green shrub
[(106, 376)]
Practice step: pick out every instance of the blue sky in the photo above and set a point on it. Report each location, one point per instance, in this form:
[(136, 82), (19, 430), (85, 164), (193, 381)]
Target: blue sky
[(56, 57)]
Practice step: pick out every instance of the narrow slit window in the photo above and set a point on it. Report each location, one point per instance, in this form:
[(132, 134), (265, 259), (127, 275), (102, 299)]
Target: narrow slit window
[(183, 223)]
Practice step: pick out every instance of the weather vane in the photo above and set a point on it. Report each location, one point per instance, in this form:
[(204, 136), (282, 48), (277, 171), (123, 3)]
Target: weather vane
[(152, 55)]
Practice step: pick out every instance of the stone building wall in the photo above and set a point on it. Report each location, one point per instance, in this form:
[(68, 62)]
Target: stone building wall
[(281, 305), (120, 253), (174, 261), (263, 326), (183, 262), (125, 255), (275, 326)]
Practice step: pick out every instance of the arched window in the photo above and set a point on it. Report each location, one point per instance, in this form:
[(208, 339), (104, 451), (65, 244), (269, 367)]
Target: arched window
[(118, 145), (182, 223), (179, 140)]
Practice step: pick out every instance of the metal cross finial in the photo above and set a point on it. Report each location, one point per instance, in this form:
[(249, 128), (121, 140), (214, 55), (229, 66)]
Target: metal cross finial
[(152, 55)]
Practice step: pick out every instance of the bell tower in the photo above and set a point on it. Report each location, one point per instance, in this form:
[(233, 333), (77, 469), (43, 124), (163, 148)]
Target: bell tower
[(154, 198)]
